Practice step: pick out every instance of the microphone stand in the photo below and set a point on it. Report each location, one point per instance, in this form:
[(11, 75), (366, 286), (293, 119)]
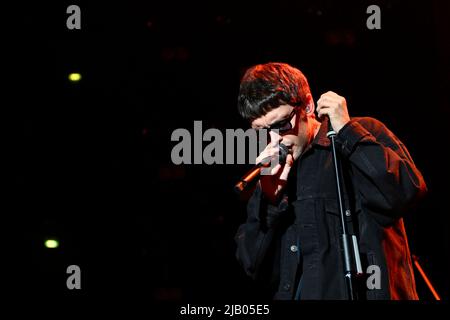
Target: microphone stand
[(349, 272), (425, 278)]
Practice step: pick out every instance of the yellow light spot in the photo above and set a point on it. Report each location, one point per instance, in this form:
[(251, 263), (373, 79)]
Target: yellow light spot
[(52, 243), (74, 77)]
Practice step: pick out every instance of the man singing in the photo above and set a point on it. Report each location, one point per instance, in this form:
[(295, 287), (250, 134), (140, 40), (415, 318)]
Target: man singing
[(292, 236)]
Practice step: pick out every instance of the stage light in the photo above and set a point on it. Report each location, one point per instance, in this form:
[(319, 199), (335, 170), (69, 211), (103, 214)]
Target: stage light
[(74, 77), (51, 243)]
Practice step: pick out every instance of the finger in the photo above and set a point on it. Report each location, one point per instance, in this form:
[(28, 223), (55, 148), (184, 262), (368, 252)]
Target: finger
[(275, 169), (325, 95), (269, 150), (334, 95), (330, 94), (327, 101), (266, 153), (324, 111), (275, 139), (272, 149), (287, 167)]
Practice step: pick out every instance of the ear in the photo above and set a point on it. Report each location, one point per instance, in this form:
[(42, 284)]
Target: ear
[(310, 106)]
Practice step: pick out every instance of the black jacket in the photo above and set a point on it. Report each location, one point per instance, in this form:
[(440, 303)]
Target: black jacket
[(295, 245)]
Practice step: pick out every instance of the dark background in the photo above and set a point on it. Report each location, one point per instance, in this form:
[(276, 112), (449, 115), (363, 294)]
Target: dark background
[(91, 160)]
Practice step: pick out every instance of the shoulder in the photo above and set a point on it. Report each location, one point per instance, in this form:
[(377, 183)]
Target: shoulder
[(372, 125), (377, 128), (368, 122)]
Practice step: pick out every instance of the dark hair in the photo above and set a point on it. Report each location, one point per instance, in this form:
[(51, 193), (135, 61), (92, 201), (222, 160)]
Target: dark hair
[(267, 86)]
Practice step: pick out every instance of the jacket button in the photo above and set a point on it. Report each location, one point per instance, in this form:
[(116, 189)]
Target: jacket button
[(294, 248), (287, 286)]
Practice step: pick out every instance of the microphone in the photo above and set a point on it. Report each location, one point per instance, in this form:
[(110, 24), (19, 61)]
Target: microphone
[(254, 173), (331, 133)]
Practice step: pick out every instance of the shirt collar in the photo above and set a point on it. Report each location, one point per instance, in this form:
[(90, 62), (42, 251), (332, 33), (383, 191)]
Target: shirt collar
[(321, 138)]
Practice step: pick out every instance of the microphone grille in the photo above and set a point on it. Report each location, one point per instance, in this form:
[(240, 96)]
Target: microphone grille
[(284, 151)]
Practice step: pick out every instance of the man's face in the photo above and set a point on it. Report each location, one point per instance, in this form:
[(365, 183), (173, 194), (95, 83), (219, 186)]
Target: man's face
[(285, 117)]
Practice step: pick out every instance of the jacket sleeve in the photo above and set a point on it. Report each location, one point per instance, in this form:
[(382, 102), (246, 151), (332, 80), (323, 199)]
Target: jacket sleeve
[(384, 172), (256, 236)]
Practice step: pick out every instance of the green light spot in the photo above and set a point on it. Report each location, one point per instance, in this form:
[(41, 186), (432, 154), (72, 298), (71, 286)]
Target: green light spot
[(74, 77), (51, 243)]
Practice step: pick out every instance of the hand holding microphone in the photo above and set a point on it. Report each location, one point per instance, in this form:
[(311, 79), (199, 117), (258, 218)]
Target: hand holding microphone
[(273, 184), (335, 107), (274, 181)]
